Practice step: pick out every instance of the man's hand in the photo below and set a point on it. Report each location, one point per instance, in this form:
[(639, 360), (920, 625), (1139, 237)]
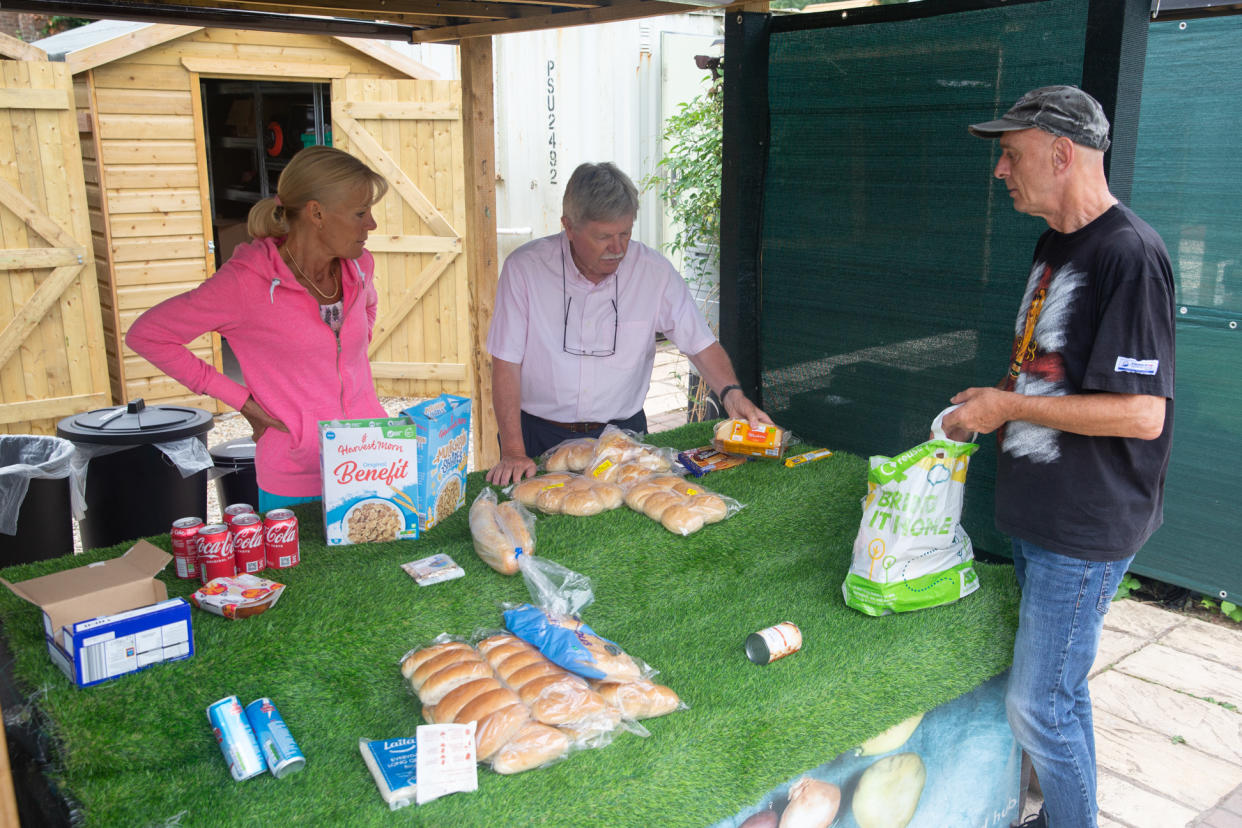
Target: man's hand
[(511, 469), (260, 421), (981, 410), (738, 406)]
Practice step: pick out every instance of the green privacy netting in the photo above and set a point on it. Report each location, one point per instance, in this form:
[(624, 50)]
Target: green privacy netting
[(1188, 185), (893, 264)]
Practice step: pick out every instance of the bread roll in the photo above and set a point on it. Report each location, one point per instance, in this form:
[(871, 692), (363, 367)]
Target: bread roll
[(416, 659), (496, 729), (603, 468), (526, 491), (665, 481), (534, 745), (629, 474), (638, 699), (610, 494), (459, 697), (587, 732), (513, 662), (442, 681), (440, 661), (530, 692), (499, 534), (712, 507), (610, 659), (654, 506), (485, 704), (520, 677), (562, 700), (493, 641), (685, 488), (681, 519), (583, 502), (499, 652), (550, 498), (637, 495)]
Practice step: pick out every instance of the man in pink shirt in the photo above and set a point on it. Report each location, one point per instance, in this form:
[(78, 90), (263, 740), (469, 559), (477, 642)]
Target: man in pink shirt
[(573, 336)]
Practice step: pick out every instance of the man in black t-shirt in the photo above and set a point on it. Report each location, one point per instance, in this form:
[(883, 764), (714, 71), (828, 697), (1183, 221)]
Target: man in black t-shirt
[(1084, 423)]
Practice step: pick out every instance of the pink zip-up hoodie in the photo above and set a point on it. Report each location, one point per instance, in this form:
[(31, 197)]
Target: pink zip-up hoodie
[(293, 364)]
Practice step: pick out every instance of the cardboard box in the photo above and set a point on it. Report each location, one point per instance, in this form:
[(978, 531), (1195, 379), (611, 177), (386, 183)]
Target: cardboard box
[(107, 619), (443, 425), (230, 236), (370, 480)]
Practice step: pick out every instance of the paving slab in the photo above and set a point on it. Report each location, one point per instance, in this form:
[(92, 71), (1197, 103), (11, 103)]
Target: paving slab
[(1114, 646), (1138, 807), (1211, 641), (1137, 618), (1205, 726), (1154, 762), (1182, 671)]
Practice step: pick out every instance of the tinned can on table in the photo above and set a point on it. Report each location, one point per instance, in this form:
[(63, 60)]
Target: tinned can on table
[(249, 555), (280, 536), (215, 552), (184, 536), (276, 743), (235, 510), (771, 643), (236, 738)]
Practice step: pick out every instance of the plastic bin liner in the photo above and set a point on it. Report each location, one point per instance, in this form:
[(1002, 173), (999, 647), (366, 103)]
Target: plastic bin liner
[(26, 457), (188, 454)]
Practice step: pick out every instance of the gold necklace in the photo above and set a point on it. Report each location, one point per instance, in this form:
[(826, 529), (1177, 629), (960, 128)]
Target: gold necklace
[(327, 297)]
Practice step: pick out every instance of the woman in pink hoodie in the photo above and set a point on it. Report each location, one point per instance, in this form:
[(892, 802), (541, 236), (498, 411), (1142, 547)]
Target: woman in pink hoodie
[(297, 307)]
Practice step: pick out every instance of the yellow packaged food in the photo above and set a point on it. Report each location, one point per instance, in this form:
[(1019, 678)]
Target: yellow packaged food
[(737, 437)]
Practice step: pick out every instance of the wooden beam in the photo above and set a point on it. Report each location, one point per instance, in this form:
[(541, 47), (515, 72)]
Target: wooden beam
[(33, 217), (41, 257), (452, 371), (402, 110), (391, 57), (413, 244), (36, 98), (126, 44), (8, 796), (210, 67), (36, 307), (16, 412), (397, 10), (479, 137), (554, 20), (11, 47)]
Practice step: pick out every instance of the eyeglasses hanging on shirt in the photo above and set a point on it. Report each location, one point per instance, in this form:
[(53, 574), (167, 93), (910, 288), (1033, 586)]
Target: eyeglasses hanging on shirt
[(600, 347)]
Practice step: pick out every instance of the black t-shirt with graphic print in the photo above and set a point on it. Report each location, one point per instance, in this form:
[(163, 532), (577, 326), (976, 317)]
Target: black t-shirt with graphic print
[(1097, 316)]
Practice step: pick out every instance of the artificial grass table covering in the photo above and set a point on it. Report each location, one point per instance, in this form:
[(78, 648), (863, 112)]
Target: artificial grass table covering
[(138, 750)]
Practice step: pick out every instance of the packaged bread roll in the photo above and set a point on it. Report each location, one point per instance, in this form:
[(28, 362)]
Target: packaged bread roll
[(654, 506), (497, 728), (416, 658), (501, 532), (533, 746), (572, 455), (635, 497), (737, 437), (457, 698), (551, 497), (571, 644), (527, 490), (439, 661), (711, 506), (681, 519), (486, 645), (582, 502), (611, 494), (447, 678), (638, 699)]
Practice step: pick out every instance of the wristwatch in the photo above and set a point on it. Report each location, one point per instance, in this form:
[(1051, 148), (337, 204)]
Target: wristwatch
[(724, 392)]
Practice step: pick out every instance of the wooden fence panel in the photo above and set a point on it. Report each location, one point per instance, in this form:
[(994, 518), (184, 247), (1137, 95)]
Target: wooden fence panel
[(52, 361)]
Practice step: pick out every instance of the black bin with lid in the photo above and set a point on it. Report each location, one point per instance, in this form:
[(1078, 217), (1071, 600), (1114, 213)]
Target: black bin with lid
[(237, 482), (137, 490)]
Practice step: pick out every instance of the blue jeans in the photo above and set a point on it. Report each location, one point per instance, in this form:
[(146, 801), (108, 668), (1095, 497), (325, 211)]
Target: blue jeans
[(1064, 601)]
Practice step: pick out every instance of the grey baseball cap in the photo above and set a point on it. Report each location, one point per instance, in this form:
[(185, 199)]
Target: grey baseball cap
[(1060, 110)]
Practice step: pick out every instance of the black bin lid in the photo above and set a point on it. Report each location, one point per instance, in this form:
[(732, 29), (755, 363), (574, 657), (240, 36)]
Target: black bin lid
[(135, 424), (237, 453)]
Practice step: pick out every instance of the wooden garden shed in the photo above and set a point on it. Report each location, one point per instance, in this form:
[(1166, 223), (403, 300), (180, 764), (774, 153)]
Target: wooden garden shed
[(183, 128)]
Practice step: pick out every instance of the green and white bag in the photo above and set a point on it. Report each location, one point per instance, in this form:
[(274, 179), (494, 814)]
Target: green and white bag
[(911, 551)]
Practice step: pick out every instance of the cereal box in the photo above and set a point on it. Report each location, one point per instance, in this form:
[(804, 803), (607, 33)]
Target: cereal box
[(370, 480), (443, 425)]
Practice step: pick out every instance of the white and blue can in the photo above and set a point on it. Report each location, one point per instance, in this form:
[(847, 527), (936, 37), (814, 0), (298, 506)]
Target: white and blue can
[(237, 740), (275, 741)]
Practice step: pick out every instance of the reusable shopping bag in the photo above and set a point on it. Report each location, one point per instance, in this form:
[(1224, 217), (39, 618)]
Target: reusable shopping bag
[(911, 551)]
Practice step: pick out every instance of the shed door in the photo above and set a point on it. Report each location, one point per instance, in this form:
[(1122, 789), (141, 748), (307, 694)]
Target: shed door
[(52, 361), (411, 132)]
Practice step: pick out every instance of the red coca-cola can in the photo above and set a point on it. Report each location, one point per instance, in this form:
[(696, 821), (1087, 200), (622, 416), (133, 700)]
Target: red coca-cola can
[(185, 546), (248, 552), (235, 510), (280, 536), (215, 552)]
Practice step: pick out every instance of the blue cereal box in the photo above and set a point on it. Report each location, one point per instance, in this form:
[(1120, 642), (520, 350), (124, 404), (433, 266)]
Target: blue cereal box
[(370, 480), (443, 425)]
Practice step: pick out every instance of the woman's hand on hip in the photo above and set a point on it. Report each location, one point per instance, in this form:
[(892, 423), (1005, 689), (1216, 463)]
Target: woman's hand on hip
[(260, 421)]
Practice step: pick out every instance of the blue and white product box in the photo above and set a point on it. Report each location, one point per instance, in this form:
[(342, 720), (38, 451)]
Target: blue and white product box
[(110, 618), (394, 765), (370, 480)]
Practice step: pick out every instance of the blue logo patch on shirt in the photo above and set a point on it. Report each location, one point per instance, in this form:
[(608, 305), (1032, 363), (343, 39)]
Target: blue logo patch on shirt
[(1130, 365)]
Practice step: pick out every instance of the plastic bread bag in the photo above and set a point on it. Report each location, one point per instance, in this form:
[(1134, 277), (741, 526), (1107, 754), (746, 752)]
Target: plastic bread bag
[(502, 532), (569, 494), (617, 447), (527, 491), (572, 455), (642, 699), (421, 664), (737, 437), (553, 626)]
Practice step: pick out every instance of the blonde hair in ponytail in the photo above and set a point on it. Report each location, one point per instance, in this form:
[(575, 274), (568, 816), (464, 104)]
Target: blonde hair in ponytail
[(322, 174)]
